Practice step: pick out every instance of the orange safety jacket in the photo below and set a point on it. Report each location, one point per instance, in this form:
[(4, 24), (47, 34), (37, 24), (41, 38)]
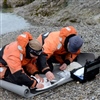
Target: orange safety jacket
[(14, 55), (54, 44)]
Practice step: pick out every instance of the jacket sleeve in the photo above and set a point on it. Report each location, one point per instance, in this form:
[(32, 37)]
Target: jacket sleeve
[(31, 67), (70, 57), (49, 47), (22, 79), (42, 63)]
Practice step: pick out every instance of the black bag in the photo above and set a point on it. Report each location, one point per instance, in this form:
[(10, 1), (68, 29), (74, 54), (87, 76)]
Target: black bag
[(88, 72)]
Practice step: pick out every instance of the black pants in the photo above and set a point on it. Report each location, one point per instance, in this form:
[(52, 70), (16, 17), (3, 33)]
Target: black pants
[(8, 76)]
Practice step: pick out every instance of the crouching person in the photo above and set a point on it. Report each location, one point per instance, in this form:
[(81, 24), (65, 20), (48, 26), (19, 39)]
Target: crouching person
[(61, 46), (18, 61)]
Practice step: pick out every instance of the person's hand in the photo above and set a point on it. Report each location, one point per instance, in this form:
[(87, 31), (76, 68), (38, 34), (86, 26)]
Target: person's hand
[(50, 76), (63, 66), (39, 85), (38, 77)]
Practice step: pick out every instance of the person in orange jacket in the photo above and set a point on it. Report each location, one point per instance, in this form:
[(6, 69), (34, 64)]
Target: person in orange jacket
[(59, 47), (18, 61)]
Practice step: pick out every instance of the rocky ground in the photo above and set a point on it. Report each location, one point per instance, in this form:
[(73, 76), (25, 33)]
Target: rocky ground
[(52, 15)]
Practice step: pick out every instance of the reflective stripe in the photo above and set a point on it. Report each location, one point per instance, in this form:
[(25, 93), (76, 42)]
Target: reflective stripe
[(1, 69), (21, 56), (23, 35), (68, 28), (59, 46), (20, 48), (46, 34), (60, 39)]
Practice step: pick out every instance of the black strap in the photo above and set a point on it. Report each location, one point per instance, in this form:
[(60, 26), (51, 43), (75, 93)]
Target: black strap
[(1, 54), (44, 36)]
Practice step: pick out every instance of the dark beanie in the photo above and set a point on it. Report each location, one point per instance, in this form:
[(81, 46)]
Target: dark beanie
[(75, 43)]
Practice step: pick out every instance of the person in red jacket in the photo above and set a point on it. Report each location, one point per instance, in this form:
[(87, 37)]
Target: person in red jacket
[(59, 47), (18, 61)]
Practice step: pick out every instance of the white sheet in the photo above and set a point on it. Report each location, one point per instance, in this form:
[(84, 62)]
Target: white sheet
[(73, 65)]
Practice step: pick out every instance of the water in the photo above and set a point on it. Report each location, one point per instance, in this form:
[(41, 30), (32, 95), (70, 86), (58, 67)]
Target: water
[(10, 22)]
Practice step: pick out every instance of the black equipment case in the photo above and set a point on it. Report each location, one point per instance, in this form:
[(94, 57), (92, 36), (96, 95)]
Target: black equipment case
[(91, 69)]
